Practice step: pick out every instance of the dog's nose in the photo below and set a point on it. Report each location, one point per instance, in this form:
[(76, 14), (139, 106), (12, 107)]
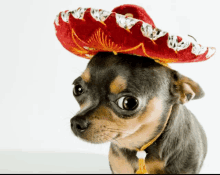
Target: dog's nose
[(79, 124)]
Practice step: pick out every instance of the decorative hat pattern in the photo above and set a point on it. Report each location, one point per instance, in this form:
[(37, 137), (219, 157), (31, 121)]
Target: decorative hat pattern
[(127, 29)]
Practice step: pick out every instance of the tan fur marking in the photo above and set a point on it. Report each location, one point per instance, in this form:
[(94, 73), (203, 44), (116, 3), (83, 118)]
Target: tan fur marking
[(86, 75), (118, 85), (120, 165), (155, 167), (143, 126), (186, 85), (85, 104), (102, 113)]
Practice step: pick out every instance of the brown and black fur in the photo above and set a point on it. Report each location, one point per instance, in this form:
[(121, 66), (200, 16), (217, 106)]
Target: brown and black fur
[(162, 92)]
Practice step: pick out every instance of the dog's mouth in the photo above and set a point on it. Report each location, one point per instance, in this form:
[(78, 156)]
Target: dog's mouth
[(97, 136), (99, 133), (97, 139)]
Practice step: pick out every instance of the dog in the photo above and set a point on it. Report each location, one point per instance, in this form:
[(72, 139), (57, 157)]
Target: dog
[(128, 100)]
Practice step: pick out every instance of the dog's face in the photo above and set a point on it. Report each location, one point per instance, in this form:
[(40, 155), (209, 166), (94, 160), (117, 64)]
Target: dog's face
[(126, 99)]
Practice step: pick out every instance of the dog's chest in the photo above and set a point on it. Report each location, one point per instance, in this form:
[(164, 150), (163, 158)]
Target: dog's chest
[(121, 162)]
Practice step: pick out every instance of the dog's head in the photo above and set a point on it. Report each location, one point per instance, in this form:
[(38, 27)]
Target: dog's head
[(126, 99)]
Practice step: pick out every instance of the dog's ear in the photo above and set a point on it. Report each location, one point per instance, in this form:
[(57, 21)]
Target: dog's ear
[(184, 89)]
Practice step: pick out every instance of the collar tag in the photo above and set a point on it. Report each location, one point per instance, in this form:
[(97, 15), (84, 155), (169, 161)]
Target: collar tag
[(141, 154)]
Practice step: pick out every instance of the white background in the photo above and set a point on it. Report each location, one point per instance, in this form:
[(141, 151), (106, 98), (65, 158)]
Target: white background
[(36, 74)]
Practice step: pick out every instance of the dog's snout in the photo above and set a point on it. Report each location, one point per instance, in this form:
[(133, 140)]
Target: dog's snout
[(79, 124)]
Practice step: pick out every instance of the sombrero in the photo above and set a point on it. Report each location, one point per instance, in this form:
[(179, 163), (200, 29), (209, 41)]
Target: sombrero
[(127, 29)]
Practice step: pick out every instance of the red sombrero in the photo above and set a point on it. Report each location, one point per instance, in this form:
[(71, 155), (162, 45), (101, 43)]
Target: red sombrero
[(127, 29)]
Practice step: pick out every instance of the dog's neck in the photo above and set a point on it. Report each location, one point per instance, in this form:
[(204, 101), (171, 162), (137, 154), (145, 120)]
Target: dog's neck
[(173, 122)]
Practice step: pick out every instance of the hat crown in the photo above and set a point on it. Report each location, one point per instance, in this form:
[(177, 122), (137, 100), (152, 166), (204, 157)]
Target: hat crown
[(136, 11), (129, 30)]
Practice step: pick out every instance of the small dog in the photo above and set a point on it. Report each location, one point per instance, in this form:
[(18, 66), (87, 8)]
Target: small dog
[(128, 100)]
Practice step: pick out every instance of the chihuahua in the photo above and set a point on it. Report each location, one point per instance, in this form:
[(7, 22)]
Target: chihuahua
[(128, 100)]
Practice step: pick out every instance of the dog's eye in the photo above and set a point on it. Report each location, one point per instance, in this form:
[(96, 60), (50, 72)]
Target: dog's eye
[(127, 103), (77, 90)]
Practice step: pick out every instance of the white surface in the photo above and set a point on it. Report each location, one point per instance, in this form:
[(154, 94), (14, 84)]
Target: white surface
[(36, 74), (53, 162)]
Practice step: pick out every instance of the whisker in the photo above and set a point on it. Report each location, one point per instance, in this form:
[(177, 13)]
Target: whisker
[(64, 125), (117, 142), (117, 130), (108, 137), (72, 112), (76, 70), (112, 138), (121, 132), (65, 117)]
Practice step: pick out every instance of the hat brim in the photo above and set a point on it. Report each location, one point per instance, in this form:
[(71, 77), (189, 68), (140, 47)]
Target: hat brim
[(87, 31)]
